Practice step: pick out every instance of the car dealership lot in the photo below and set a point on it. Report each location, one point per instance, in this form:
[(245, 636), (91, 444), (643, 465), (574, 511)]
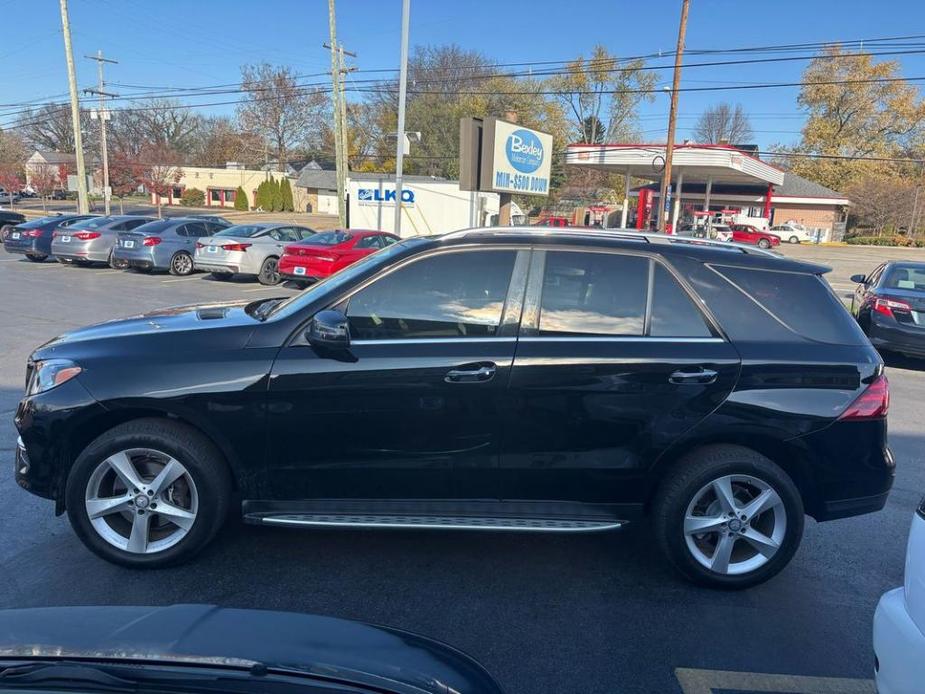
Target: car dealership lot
[(592, 613)]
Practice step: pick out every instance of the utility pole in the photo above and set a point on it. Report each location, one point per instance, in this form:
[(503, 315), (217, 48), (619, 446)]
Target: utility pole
[(83, 206), (344, 130), (402, 91), (672, 116), (338, 135), (103, 116)]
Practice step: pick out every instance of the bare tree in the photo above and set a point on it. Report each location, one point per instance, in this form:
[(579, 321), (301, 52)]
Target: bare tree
[(723, 123), (277, 109), (49, 128), (159, 170), (164, 122)]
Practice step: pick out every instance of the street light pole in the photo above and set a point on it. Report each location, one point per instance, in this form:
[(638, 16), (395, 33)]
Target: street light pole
[(672, 116), (83, 205), (402, 91)]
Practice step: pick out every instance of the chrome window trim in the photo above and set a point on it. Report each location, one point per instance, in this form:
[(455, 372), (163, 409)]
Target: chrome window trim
[(433, 341), (621, 338)]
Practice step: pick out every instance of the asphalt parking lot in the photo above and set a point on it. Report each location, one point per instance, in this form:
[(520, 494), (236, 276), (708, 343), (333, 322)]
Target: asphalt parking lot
[(598, 613)]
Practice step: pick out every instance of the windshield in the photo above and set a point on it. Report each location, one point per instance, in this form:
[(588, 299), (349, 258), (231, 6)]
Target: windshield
[(327, 238), (381, 257), (247, 231)]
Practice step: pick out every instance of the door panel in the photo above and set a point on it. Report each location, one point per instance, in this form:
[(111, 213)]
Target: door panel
[(414, 409), (614, 362)]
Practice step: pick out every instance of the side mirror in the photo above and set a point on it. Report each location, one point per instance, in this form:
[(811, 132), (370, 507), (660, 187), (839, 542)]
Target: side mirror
[(859, 279), (329, 330)]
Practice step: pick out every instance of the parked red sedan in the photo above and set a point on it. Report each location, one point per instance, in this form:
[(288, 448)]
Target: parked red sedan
[(327, 252), (746, 233)]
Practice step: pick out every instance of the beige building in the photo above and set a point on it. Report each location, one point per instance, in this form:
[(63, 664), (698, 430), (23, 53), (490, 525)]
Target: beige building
[(60, 163), (220, 185)]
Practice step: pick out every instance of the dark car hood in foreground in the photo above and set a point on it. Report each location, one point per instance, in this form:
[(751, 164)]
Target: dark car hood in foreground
[(175, 319), (324, 646)]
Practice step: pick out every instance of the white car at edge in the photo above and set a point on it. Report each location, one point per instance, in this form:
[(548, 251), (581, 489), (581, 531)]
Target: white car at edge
[(793, 233), (899, 622)]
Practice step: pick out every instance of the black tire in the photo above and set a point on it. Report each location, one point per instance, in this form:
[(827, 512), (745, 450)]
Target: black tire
[(691, 474), (36, 257), (269, 272), (181, 264), (221, 276), (194, 451), (764, 243)]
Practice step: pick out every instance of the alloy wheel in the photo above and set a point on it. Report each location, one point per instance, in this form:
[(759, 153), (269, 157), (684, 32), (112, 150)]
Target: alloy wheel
[(269, 273), (182, 264), (141, 500), (735, 524)]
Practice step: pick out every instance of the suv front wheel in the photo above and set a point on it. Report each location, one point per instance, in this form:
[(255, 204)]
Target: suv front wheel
[(728, 517), (148, 493)]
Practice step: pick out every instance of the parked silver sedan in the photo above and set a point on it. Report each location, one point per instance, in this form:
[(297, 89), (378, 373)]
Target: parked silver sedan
[(248, 249), (165, 244), (92, 240)]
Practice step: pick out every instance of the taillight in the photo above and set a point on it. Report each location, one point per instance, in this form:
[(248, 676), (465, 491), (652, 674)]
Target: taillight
[(873, 403), (888, 306), (236, 246), (86, 235), (32, 233), (200, 245), (151, 241), (326, 258)]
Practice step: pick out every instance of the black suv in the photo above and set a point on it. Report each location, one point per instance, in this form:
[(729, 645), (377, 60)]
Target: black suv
[(506, 379)]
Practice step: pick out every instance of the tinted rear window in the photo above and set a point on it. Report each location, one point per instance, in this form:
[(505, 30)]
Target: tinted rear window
[(93, 223), (328, 238), (801, 301), (155, 227), (34, 223), (905, 277), (246, 231)]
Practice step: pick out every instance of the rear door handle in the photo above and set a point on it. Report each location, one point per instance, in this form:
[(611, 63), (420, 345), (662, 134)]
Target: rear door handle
[(699, 376), (475, 373)]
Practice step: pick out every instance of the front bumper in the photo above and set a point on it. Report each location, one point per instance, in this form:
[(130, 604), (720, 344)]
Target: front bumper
[(899, 646), (53, 426)]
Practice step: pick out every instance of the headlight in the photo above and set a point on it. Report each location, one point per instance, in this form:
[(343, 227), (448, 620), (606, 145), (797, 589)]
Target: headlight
[(50, 373)]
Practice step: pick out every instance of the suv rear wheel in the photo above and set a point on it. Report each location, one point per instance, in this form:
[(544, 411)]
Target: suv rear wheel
[(148, 493), (728, 517)]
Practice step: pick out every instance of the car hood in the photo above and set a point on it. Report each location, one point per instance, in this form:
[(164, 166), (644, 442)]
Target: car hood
[(382, 657), (166, 320)]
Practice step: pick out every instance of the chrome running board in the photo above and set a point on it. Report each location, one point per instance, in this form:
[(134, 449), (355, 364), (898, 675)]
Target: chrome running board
[(443, 522)]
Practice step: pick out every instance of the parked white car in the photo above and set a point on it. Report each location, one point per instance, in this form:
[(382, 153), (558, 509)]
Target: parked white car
[(793, 233), (899, 622)]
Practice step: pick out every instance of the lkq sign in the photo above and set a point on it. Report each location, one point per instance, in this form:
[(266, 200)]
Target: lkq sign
[(514, 159), (377, 196)]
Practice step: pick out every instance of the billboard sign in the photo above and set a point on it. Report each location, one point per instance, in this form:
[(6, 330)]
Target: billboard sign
[(515, 159)]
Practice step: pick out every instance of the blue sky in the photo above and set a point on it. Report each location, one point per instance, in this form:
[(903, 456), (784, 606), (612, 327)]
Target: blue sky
[(172, 43)]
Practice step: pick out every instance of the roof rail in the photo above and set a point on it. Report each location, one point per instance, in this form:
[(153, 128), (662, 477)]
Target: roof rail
[(619, 234)]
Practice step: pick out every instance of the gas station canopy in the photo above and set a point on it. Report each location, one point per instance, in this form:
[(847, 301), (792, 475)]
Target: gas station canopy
[(720, 164)]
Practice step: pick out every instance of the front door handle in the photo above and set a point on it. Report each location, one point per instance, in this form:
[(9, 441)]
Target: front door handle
[(474, 373), (699, 376)]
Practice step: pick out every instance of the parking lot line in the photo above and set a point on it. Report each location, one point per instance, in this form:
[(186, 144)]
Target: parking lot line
[(260, 289), (180, 279), (694, 681)]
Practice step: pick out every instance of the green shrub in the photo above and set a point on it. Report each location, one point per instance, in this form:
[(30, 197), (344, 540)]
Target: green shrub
[(886, 241), (193, 197), (288, 203), (276, 193), (261, 199), (240, 199)]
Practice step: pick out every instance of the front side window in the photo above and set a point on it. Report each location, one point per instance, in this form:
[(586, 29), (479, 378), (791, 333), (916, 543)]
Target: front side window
[(593, 294), (451, 295), (369, 242)]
